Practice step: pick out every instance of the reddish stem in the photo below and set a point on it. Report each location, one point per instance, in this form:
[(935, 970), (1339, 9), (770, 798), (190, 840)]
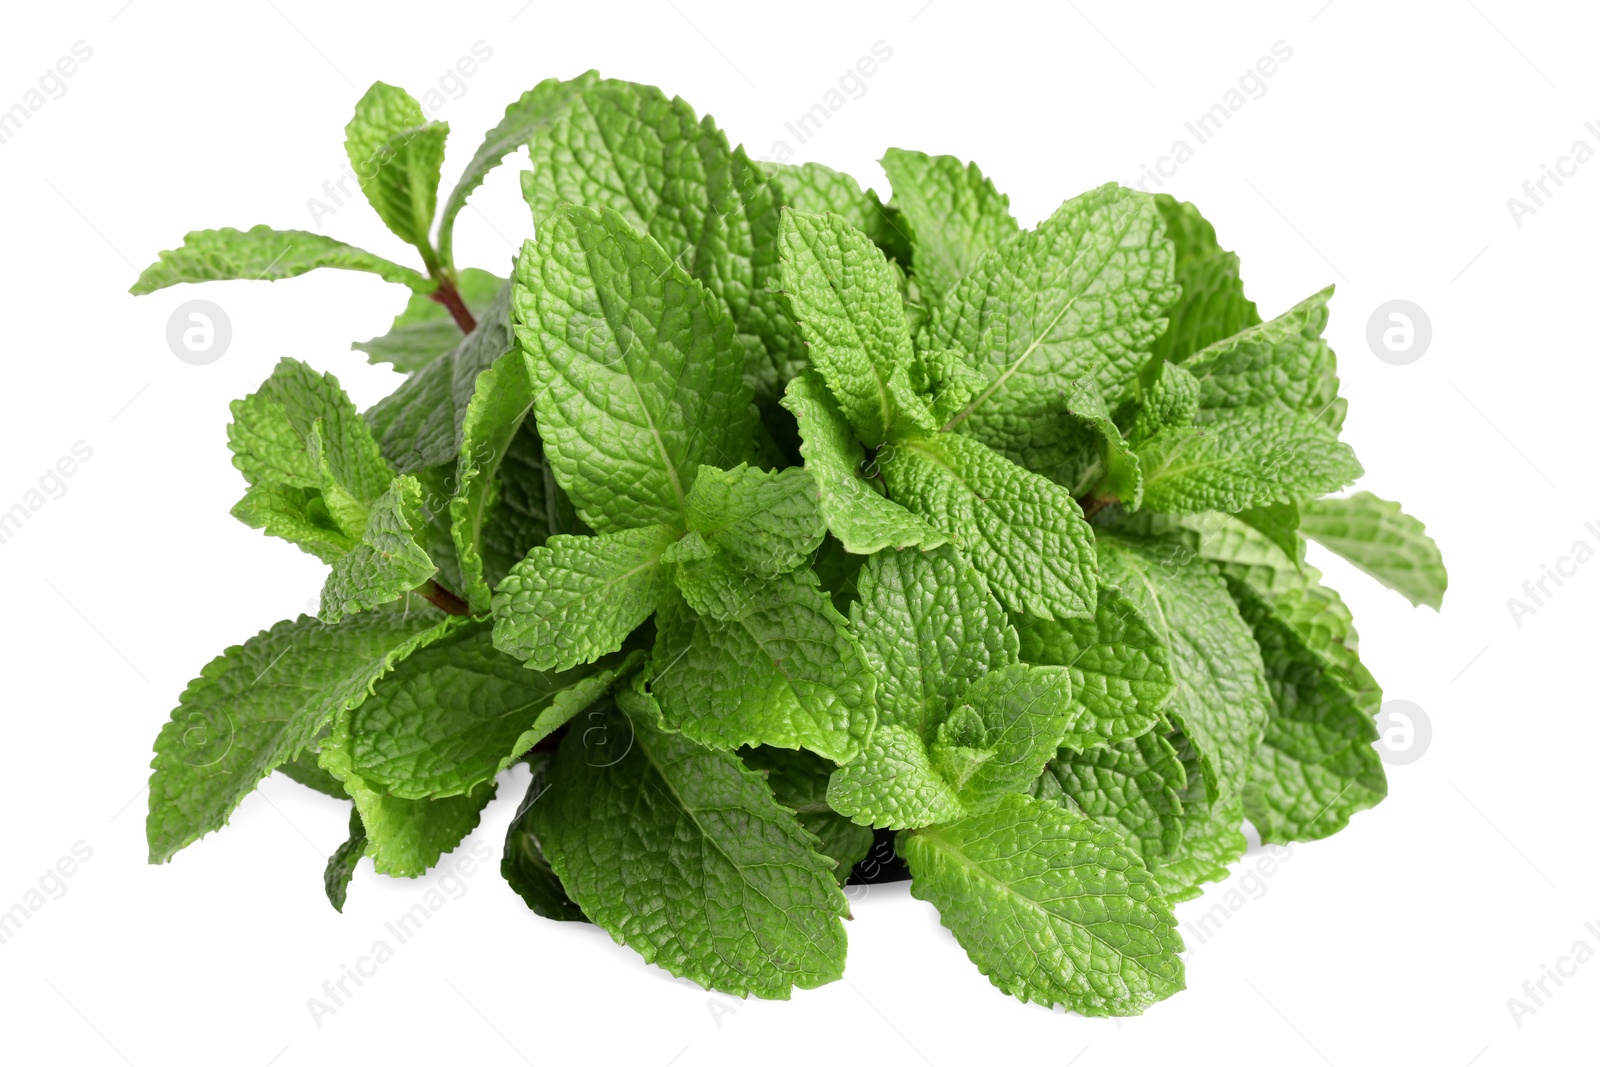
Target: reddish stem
[(444, 599), (447, 295)]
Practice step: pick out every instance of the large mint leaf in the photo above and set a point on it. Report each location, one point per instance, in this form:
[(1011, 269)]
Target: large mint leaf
[(387, 563), (1210, 840), (1212, 305), (258, 706), (1284, 362), (1024, 532), (1134, 784), (575, 599), (525, 117), (799, 782), (502, 399), (1316, 765), (636, 368), (770, 521), (860, 517), (1121, 674), (1244, 458), (424, 331), (1017, 717), (523, 863), (1222, 701), (952, 212), (852, 318), (1079, 296), (818, 189), (785, 671), (397, 156), (681, 853), (1051, 906), (671, 175), (262, 253), (456, 713), (1382, 540), (1109, 467)]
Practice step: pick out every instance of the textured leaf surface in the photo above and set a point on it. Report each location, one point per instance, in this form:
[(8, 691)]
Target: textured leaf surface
[(387, 563), (1212, 305), (1222, 701), (799, 782), (1284, 362), (636, 365), (1025, 711), (1134, 784), (786, 672), (257, 706), (262, 253), (1051, 906), (1382, 540), (523, 863), (863, 520), (424, 331), (770, 521), (815, 188), (681, 853), (1121, 674), (1115, 470), (1025, 533), (397, 156), (341, 866), (952, 212), (1079, 296), (502, 399), (1244, 458), (575, 599), (456, 713)]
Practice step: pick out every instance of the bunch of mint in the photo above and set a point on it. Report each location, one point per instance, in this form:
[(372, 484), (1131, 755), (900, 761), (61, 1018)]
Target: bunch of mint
[(756, 514)]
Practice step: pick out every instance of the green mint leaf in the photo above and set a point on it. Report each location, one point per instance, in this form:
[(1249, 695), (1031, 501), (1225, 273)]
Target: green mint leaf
[(1382, 540), (785, 672), (671, 175), (424, 331), (405, 838), (262, 253), (1079, 296), (502, 398), (862, 519), (523, 863), (636, 369), (296, 516), (952, 213), (1114, 473), (770, 521), (852, 319), (523, 121), (1278, 523), (1284, 363), (1133, 784), (1316, 765), (1051, 906), (818, 189), (1025, 533), (387, 563), (341, 866), (258, 706), (1172, 400), (1222, 701), (1212, 305), (1211, 841), (1244, 458), (397, 156), (1024, 711), (1121, 674), (304, 769), (681, 853), (575, 599), (799, 782), (455, 714), (718, 586), (895, 783)]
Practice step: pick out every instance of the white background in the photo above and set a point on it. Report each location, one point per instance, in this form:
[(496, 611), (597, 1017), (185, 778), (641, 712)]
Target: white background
[(1380, 157)]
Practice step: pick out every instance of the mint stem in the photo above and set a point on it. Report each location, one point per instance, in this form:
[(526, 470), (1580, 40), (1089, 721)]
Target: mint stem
[(447, 295), (444, 599)]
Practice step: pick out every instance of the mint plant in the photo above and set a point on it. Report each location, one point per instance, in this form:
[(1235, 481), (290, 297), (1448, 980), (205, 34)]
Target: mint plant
[(758, 515)]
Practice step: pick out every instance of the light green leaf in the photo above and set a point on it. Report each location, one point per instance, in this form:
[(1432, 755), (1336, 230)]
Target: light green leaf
[(341, 866), (1080, 296), (952, 212), (388, 563), (297, 516), (1170, 401), (1121, 674), (457, 713), (769, 521), (262, 253), (258, 706), (815, 188), (575, 599), (1022, 713), (894, 783), (1025, 533), (1284, 363), (1382, 540), (1280, 524), (1133, 784), (1222, 701), (630, 149), (405, 838), (636, 370), (397, 156), (424, 331), (502, 399), (681, 853), (1115, 473), (1244, 458), (862, 519), (799, 782), (1051, 906), (786, 672), (525, 118), (850, 314), (1213, 305)]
